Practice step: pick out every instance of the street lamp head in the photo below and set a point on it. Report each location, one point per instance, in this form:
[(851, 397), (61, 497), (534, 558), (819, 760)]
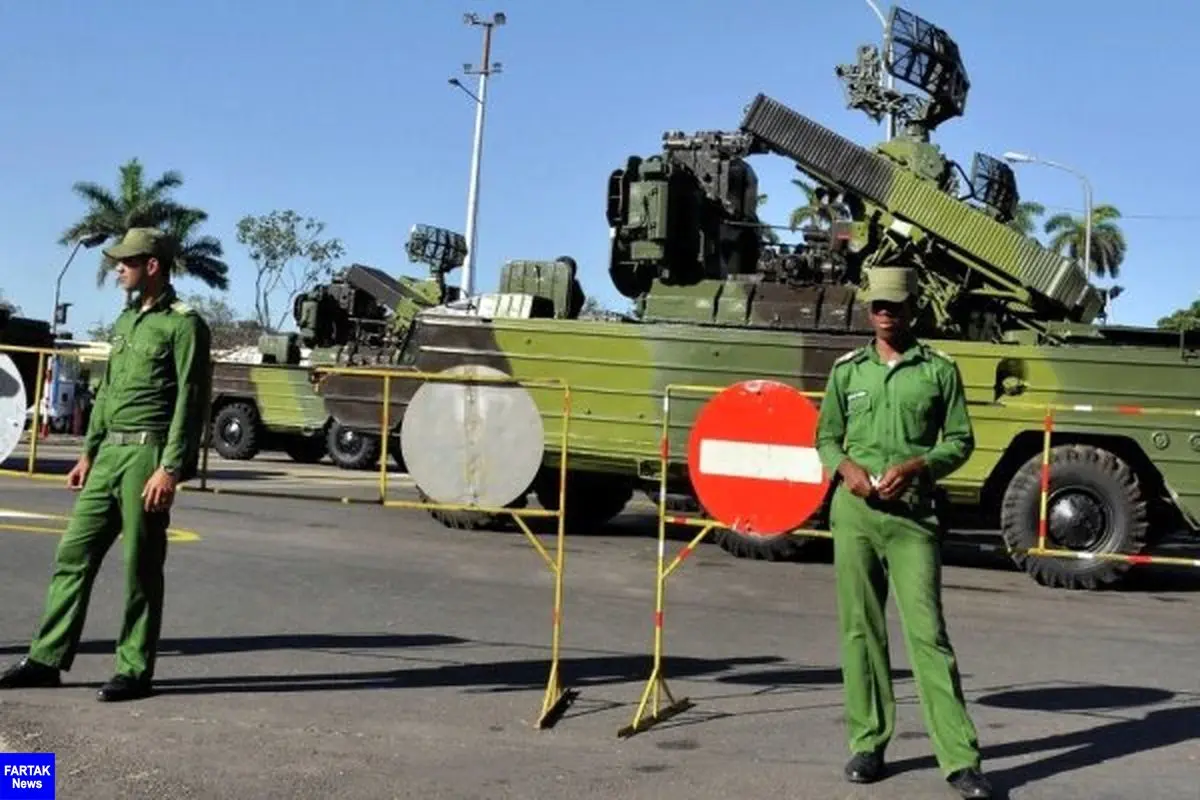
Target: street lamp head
[(470, 18), (1014, 156), (498, 18), (95, 240), (454, 82)]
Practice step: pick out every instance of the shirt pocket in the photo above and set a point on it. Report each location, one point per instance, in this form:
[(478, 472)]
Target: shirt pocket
[(919, 412), (859, 405), (148, 357)]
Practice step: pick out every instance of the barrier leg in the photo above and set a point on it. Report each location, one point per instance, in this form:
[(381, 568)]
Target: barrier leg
[(656, 685), (1043, 521), (385, 434), (555, 700), (39, 394)]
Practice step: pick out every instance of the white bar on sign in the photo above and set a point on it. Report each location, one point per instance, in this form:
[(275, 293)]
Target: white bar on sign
[(771, 462)]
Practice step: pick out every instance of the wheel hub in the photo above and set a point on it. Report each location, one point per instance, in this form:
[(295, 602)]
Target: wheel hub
[(1077, 519), (232, 432), (348, 441)]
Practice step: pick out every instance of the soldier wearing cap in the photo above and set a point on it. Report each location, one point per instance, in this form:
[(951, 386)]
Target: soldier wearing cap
[(143, 439), (885, 405)]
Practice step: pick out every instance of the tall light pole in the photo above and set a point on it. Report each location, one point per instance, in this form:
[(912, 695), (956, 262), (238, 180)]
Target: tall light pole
[(1016, 157), (89, 242), (485, 68), (889, 79)]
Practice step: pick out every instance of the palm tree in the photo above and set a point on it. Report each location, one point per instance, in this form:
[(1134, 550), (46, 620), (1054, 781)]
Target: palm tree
[(767, 233), (811, 210), (1068, 232), (199, 256), (137, 204), (1025, 219)]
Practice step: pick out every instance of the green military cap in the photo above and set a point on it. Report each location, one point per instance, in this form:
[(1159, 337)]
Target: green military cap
[(143, 242), (891, 284)]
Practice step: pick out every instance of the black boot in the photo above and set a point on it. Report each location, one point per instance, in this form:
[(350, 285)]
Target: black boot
[(123, 687), (30, 674), (971, 784), (865, 768)]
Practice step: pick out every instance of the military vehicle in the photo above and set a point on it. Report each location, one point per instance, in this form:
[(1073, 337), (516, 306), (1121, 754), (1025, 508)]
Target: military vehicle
[(270, 405), (361, 318), (715, 304)]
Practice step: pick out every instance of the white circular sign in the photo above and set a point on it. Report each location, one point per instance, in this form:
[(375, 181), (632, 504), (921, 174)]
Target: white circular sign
[(472, 444), (13, 406)]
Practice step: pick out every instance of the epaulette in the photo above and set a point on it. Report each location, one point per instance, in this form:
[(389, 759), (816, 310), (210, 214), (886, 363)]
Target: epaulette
[(941, 353), (180, 307), (853, 354)]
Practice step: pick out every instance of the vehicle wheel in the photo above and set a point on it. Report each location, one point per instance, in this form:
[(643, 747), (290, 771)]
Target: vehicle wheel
[(1095, 505), (761, 548), (351, 449), (305, 449), (396, 455), (463, 520), (235, 432), (593, 498)]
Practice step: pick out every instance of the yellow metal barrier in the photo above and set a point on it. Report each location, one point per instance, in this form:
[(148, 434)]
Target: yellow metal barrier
[(656, 685), (556, 700), (43, 353)]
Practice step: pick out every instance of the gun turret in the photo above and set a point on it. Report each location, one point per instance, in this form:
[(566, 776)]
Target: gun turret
[(363, 314)]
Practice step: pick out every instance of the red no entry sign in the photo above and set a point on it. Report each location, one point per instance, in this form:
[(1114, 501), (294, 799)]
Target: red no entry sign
[(752, 458)]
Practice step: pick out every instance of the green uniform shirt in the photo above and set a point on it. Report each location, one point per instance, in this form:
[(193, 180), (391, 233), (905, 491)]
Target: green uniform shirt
[(157, 379), (879, 416)]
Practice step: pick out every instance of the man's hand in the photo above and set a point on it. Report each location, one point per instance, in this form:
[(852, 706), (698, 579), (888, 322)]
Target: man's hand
[(159, 491), (79, 473), (897, 478), (856, 479)]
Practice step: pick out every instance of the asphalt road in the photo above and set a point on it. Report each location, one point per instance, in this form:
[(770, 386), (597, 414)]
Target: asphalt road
[(317, 649), (269, 472)]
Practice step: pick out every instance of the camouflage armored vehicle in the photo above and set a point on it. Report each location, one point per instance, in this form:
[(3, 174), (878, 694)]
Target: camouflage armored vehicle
[(361, 318), (716, 304), (270, 405)]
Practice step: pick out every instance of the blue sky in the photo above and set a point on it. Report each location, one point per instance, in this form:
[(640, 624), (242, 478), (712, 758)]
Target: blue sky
[(342, 111)]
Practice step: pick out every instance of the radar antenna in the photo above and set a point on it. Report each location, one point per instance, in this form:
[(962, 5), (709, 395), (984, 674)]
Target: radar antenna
[(994, 185), (923, 56), (441, 249)]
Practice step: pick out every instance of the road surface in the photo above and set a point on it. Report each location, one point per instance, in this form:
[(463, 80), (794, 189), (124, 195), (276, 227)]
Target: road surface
[(318, 649)]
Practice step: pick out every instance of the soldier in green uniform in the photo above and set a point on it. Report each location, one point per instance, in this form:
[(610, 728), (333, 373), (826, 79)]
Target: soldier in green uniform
[(143, 439), (884, 407)]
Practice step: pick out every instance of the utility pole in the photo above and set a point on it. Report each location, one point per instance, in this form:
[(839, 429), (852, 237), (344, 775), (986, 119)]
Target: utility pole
[(485, 69), (60, 310), (889, 80)]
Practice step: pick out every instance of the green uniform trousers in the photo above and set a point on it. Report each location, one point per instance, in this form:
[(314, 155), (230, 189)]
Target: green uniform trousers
[(871, 545), (110, 504)]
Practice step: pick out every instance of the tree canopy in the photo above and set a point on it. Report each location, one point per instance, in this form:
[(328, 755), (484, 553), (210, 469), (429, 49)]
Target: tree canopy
[(136, 203)]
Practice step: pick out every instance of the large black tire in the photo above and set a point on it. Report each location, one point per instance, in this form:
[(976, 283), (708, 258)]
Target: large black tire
[(464, 520), (305, 449), (761, 548), (235, 432), (351, 449), (1095, 505), (593, 498)]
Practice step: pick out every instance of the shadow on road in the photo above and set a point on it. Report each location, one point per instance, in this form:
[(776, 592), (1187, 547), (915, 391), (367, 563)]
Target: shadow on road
[(61, 466), (484, 677), (213, 645), (1162, 727)]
